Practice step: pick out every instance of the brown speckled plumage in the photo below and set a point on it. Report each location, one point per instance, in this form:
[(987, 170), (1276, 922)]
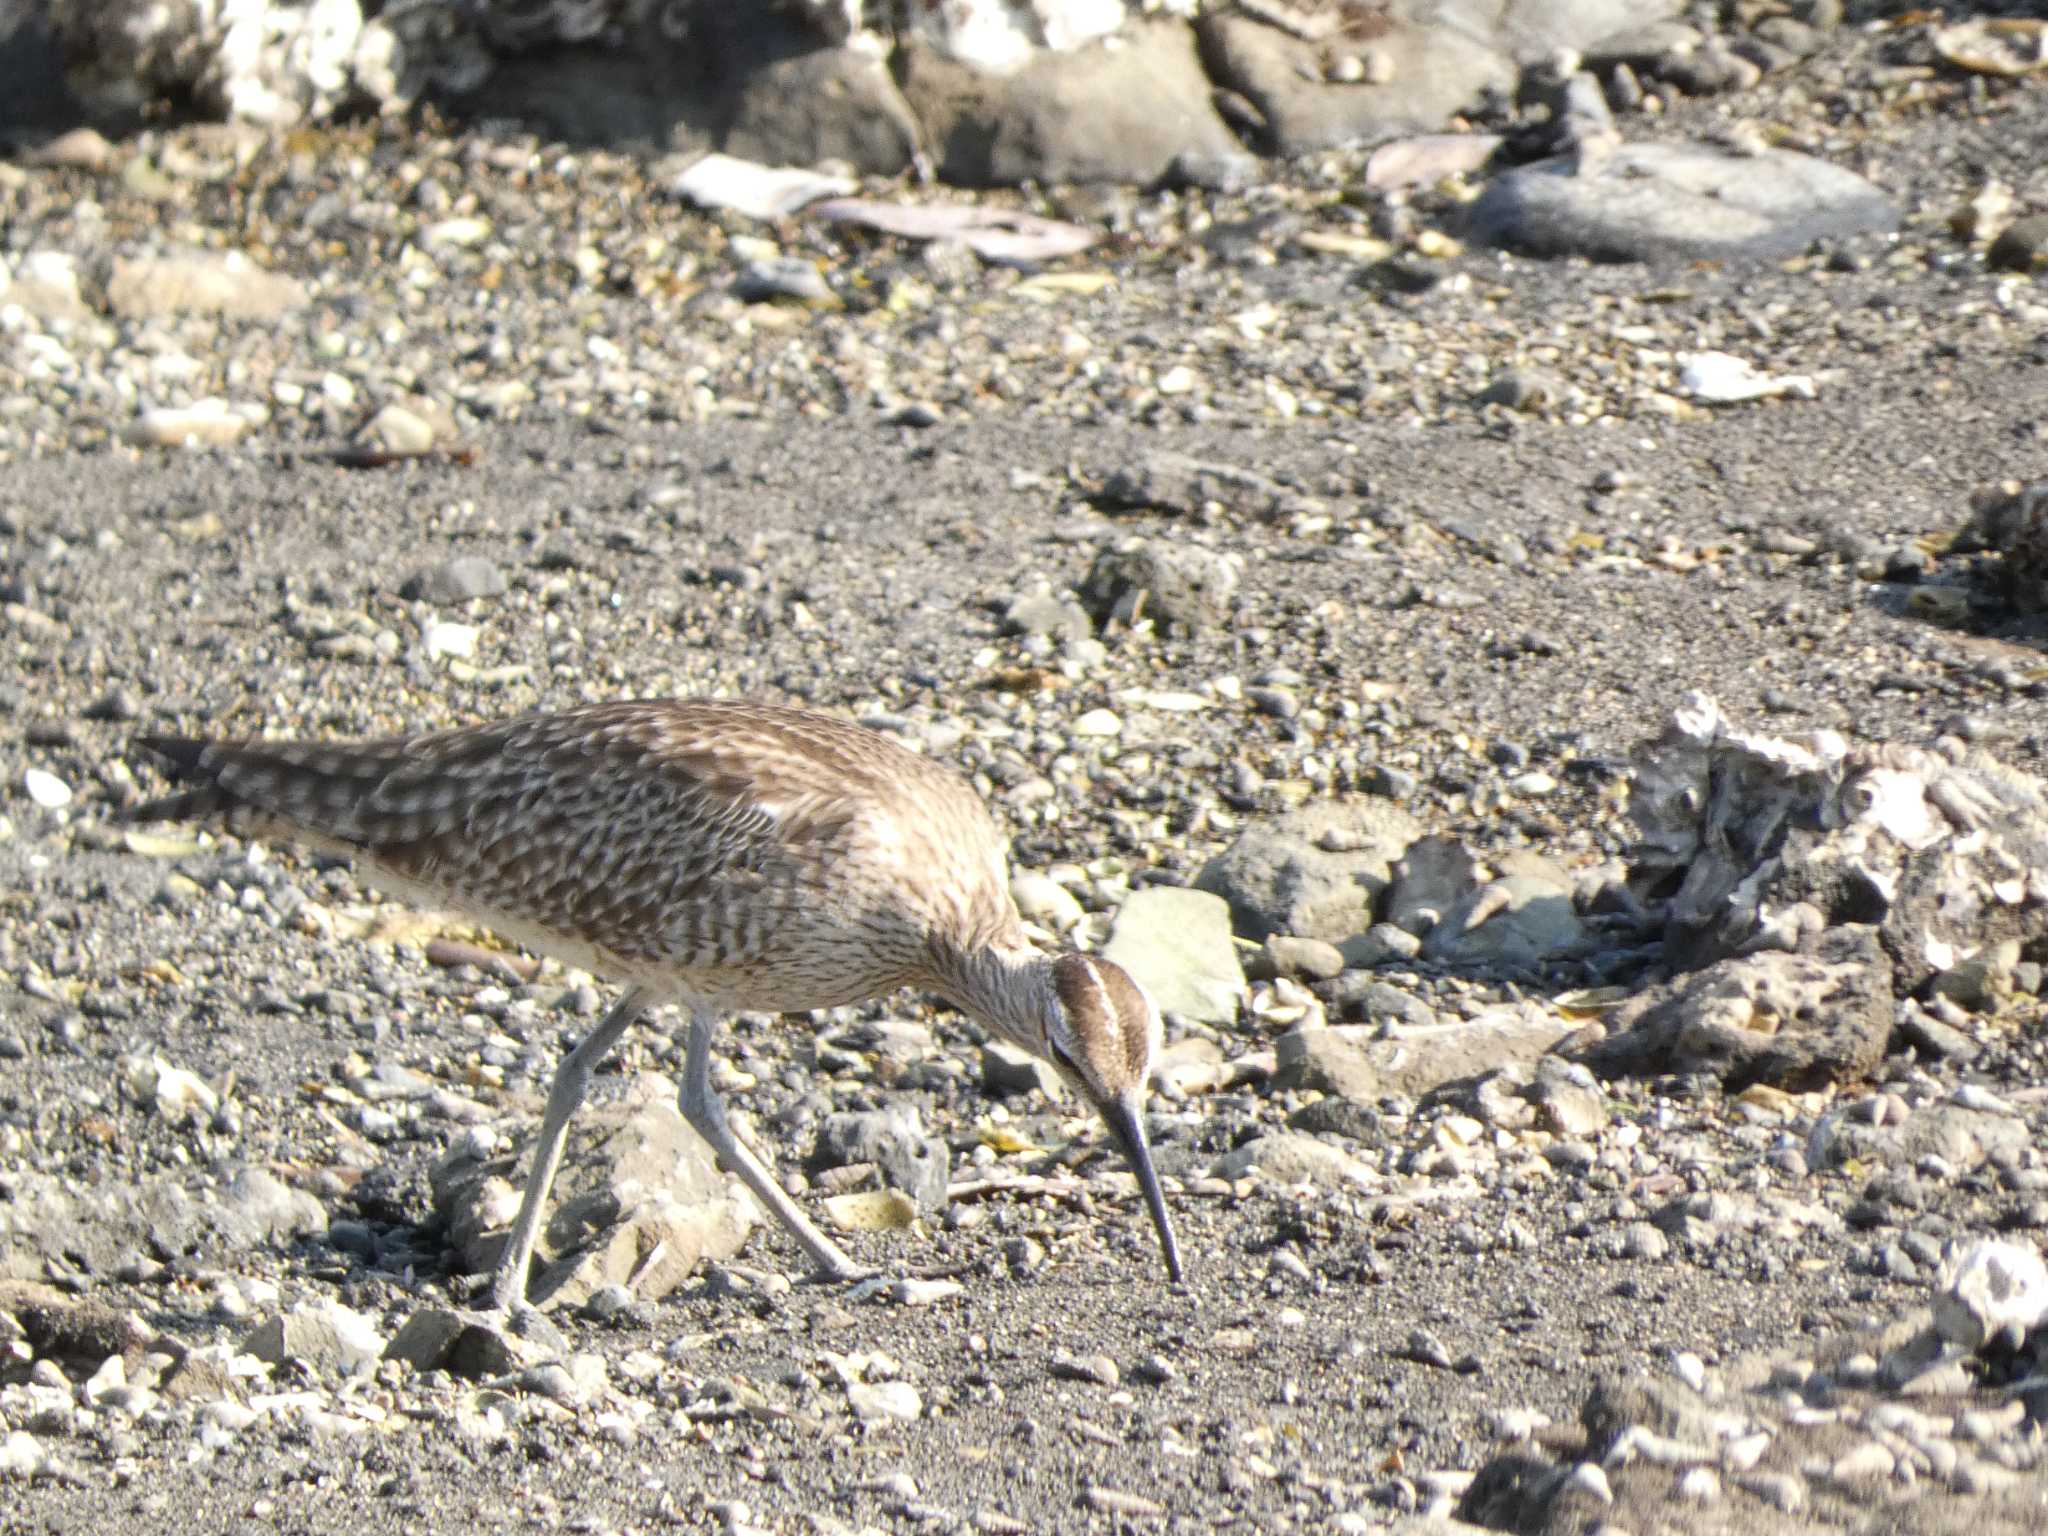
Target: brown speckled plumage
[(719, 853), (763, 857)]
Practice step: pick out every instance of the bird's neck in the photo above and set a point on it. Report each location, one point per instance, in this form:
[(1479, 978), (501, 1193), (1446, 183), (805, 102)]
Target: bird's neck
[(1007, 988)]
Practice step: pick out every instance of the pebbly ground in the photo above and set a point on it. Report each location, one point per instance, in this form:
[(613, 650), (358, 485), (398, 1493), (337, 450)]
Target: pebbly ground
[(1451, 589)]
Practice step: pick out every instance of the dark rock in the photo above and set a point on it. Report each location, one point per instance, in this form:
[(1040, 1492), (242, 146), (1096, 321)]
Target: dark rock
[(815, 105), (1791, 1021), (1316, 872), (1434, 875), (895, 1143), (1230, 172), (1365, 997), (751, 81), (1007, 1069), (1334, 1115), (1176, 483), (69, 1328), (477, 1346), (456, 581), (1174, 585), (2022, 246)]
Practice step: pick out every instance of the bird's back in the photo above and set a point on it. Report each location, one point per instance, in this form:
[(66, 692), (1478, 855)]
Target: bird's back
[(751, 854)]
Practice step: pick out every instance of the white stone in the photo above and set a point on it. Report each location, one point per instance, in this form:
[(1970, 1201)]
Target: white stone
[(873, 1400), (1699, 1485), (1097, 722), (173, 1092), (211, 422), (20, 1455), (1719, 378), (464, 232), (46, 789), (450, 640), (1002, 36)]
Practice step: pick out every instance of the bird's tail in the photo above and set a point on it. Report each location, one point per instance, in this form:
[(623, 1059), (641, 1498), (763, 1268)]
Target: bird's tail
[(203, 799), (308, 794)]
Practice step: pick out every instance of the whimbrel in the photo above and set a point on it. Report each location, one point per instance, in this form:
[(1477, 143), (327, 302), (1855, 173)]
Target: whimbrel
[(715, 854)]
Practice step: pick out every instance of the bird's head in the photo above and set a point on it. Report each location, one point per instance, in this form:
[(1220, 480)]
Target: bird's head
[(1102, 1035)]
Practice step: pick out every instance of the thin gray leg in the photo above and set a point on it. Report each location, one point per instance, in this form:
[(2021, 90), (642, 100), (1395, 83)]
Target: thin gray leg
[(707, 1117), (572, 1082)]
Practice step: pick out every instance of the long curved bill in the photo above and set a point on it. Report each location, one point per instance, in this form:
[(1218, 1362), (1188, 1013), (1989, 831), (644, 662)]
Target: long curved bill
[(1127, 1124)]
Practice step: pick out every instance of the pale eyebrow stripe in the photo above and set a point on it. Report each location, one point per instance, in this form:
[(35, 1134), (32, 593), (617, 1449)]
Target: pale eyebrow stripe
[(1101, 987)]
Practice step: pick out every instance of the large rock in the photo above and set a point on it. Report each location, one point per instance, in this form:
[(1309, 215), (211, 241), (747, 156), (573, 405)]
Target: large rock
[(1789, 1021), (1291, 1158), (1678, 202), (1123, 112), (275, 64), (322, 1336), (1310, 95), (1522, 917), (1960, 1136), (100, 1227), (637, 1203), (1176, 944), (32, 83), (1183, 486), (1992, 1291), (1754, 842), (1316, 872)]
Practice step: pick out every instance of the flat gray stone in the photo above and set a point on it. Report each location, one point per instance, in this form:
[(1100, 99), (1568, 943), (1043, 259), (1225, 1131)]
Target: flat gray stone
[(1524, 916), (461, 580), (1292, 1158), (1964, 1138), (1678, 202), (1356, 1063)]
